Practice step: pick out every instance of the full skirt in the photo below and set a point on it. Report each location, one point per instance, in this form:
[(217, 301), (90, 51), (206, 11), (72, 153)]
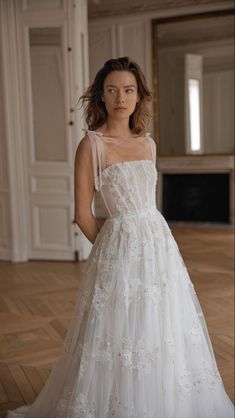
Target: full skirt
[(138, 344)]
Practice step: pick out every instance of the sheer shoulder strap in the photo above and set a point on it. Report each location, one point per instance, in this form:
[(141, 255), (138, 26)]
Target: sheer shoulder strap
[(153, 146), (98, 157)]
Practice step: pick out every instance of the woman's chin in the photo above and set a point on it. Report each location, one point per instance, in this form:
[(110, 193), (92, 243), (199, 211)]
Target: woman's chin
[(120, 115)]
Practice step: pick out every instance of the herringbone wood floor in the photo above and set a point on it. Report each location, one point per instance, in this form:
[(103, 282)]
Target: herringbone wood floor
[(37, 300)]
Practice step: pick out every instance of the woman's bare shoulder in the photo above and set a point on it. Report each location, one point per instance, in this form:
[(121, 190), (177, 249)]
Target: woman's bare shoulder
[(83, 148)]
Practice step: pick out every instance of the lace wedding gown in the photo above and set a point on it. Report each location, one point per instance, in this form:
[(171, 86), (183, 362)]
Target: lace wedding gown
[(138, 346)]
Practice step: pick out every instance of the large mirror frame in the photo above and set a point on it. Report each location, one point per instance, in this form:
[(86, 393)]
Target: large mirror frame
[(157, 80)]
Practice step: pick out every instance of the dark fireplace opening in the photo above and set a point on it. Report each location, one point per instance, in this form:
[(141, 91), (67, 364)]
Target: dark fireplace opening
[(196, 197)]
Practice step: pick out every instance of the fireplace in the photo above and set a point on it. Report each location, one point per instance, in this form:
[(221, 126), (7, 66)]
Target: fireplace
[(196, 197)]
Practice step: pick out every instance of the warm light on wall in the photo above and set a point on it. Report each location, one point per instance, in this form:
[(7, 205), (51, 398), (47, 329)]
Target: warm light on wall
[(194, 114)]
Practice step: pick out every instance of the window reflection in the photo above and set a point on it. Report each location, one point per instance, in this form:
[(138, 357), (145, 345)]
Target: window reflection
[(194, 114)]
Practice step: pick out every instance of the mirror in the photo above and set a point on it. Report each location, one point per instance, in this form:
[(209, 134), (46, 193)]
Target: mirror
[(193, 80), (47, 76)]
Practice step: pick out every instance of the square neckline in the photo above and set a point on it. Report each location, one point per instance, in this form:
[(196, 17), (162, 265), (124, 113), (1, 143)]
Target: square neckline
[(117, 137)]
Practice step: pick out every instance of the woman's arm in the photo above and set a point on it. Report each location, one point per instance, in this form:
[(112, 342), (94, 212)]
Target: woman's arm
[(84, 190)]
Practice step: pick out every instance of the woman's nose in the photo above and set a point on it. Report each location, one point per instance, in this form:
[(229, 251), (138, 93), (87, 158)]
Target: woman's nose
[(120, 98)]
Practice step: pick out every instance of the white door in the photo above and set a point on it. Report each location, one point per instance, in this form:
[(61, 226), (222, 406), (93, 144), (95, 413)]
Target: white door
[(51, 82)]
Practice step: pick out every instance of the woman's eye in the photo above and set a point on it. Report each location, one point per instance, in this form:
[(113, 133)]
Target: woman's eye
[(111, 91), (129, 90)]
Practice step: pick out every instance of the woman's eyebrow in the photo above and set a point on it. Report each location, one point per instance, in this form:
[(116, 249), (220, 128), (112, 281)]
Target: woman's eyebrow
[(129, 85)]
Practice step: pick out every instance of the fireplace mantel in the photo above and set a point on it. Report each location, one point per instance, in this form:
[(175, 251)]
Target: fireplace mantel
[(197, 164)]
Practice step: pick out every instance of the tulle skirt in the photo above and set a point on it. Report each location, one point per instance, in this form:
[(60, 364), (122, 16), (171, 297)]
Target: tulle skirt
[(138, 345)]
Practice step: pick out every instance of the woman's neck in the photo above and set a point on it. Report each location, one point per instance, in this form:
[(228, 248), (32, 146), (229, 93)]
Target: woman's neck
[(117, 129)]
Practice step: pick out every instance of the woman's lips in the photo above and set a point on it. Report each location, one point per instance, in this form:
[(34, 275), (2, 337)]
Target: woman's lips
[(120, 108)]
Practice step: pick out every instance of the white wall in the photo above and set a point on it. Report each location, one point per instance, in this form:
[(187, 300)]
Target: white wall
[(5, 236), (129, 36)]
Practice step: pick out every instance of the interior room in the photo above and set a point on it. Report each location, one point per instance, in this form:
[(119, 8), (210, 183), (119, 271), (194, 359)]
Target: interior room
[(50, 52)]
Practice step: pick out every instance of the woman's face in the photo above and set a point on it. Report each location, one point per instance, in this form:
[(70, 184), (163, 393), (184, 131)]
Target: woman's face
[(120, 94)]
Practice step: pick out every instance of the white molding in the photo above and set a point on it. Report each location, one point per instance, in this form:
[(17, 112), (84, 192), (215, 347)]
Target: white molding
[(25, 6), (6, 254), (81, 80), (196, 164), (168, 12), (41, 18), (5, 227), (39, 241), (14, 133), (4, 224), (48, 185)]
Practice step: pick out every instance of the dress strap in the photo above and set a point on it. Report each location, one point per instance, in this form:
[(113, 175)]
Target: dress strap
[(98, 157), (153, 146)]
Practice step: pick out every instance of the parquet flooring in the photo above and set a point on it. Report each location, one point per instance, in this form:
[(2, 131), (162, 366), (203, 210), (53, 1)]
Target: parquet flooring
[(37, 301)]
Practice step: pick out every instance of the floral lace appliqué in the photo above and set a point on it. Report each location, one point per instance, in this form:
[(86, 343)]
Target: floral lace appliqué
[(118, 408), (138, 357), (104, 354), (196, 380), (196, 334)]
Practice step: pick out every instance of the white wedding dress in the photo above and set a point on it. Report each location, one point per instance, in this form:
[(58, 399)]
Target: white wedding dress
[(138, 346)]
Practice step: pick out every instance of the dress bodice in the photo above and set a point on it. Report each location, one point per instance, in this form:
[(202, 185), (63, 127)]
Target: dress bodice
[(124, 187)]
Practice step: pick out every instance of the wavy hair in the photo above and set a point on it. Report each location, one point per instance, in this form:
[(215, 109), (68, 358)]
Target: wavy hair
[(94, 108)]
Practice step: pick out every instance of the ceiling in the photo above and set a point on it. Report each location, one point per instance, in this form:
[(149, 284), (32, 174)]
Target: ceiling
[(105, 8)]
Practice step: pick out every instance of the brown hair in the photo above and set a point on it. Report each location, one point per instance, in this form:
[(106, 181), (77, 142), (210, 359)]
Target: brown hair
[(95, 111)]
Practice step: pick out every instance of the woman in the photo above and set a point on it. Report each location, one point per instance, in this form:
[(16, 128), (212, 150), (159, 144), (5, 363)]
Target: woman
[(138, 346)]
